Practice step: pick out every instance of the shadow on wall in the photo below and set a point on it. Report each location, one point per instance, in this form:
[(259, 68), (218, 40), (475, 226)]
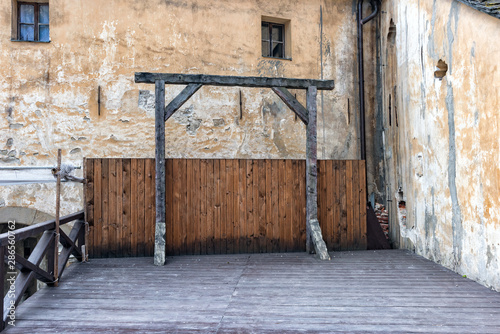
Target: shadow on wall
[(24, 216)]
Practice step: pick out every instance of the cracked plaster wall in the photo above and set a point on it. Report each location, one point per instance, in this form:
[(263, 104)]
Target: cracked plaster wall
[(48, 91), (444, 156)]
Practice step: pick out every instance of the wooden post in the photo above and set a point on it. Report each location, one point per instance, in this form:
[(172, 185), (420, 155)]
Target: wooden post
[(159, 255), (58, 207), (311, 166), (85, 247)]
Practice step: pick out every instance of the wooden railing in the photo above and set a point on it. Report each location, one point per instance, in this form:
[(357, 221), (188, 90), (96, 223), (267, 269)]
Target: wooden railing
[(29, 268)]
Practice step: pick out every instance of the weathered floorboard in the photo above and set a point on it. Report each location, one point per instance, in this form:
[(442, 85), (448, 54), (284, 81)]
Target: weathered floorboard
[(272, 293)]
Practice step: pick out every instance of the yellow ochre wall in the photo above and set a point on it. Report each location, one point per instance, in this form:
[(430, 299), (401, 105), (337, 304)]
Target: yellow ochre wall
[(48, 94)]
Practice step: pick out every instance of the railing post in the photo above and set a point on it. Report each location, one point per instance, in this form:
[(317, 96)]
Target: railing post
[(50, 256), (2, 286), (83, 242), (58, 206)]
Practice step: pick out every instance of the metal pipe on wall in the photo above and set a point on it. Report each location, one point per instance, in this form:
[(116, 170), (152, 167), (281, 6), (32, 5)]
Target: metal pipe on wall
[(361, 22)]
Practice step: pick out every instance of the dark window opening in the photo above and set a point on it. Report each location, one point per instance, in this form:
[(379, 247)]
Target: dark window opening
[(33, 22), (391, 36), (273, 40)]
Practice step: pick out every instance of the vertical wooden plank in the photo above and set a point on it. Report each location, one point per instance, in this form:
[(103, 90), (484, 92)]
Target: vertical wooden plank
[(140, 207), (98, 220), (311, 164), (134, 206), (222, 206), (219, 234), (177, 223), (330, 202), (282, 204), (150, 213), (362, 204), (275, 183), (255, 206), (119, 208), (216, 226), (236, 209), (210, 206), (203, 206), (229, 219), (320, 170), (125, 235), (197, 205), (337, 205), (250, 206), (288, 205), (324, 204), (303, 204), (293, 203), (112, 201), (104, 245), (269, 207), (355, 204), (343, 206), (242, 179), (190, 208), (169, 207), (262, 205), (321, 196), (160, 202), (184, 206), (296, 206), (349, 204), (89, 202), (88, 175)]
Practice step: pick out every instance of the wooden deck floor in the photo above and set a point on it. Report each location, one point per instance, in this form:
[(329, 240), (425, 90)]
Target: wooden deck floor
[(357, 292)]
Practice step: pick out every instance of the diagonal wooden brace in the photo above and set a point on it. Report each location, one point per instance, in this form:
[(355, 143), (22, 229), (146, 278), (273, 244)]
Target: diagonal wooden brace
[(25, 277), (292, 103), (180, 99), (66, 252), (68, 243), (26, 266)]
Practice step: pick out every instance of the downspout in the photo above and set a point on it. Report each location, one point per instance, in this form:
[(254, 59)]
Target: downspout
[(361, 22)]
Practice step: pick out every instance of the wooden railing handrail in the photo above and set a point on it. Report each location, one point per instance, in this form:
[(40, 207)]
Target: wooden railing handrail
[(30, 231), (29, 269)]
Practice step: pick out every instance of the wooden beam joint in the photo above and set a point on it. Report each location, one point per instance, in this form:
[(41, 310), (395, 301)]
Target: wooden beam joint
[(292, 103), (180, 99)]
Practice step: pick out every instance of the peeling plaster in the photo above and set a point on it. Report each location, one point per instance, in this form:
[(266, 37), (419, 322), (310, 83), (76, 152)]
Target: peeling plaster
[(447, 135), (49, 91)]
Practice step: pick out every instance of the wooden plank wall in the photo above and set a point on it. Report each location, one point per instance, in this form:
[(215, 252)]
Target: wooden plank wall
[(221, 206)]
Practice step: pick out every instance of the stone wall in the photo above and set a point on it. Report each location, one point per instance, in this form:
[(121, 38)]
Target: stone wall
[(49, 91), (440, 103)]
